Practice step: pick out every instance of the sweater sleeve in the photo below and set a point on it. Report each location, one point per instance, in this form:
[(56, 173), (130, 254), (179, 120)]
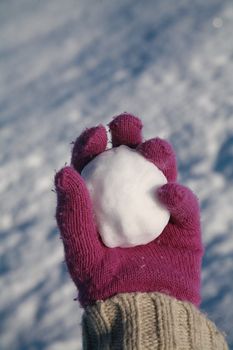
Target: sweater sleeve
[(138, 321)]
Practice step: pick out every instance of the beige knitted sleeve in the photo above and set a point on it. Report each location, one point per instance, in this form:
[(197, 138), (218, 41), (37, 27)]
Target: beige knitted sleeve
[(138, 321)]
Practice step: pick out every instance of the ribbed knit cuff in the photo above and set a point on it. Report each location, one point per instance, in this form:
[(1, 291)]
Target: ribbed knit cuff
[(137, 321)]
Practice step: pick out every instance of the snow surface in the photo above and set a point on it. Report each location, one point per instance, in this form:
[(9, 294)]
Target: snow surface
[(122, 184), (67, 65)]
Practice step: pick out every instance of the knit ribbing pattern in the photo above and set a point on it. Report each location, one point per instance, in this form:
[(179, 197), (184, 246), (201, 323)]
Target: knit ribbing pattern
[(146, 321)]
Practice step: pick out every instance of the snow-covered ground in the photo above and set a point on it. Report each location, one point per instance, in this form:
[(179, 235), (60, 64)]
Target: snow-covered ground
[(67, 65)]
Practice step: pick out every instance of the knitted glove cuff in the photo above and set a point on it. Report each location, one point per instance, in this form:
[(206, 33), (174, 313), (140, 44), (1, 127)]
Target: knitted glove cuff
[(136, 321)]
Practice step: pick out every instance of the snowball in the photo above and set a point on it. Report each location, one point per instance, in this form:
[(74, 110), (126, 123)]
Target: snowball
[(122, 185)]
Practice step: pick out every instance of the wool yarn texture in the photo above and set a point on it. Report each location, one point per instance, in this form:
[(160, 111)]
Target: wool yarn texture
[(152, 321), (169, 264)]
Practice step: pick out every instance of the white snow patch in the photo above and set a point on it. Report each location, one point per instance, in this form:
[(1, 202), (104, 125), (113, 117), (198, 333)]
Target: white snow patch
[(6, 222), (122, 185), (34, 160)]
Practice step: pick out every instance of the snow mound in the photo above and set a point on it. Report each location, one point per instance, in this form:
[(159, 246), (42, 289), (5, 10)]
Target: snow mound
[(122, 186)]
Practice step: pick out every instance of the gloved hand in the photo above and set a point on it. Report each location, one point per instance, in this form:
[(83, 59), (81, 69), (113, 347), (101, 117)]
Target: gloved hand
[(170, 264)]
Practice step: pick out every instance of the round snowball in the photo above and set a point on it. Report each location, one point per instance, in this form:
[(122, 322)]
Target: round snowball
[(122, 185)]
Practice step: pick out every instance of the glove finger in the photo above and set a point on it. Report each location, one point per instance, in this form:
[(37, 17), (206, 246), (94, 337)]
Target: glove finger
[(161, 153), (74, 216), (182, 204), (88, 145), (126, 130)]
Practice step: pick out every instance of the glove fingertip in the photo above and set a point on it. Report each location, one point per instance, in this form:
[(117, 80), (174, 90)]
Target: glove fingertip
[(64, 178)]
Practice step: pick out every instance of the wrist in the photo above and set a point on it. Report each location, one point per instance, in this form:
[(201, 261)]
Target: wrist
[(148, 321)]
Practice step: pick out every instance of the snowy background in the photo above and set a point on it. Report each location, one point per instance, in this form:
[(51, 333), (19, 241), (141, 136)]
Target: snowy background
[(67, 65)]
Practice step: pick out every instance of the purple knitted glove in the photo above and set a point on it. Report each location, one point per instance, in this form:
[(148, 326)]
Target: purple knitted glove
[(170, 264)]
